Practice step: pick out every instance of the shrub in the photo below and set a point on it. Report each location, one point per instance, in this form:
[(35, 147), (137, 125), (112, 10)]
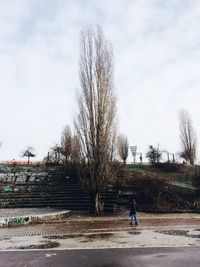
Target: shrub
[(121, 173), (167, 167), (196, 178), (154, 154)]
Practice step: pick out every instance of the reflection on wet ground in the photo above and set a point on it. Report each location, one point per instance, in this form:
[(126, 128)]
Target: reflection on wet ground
[(131, 238), (134, 233), (64, 236), (89, 236), (185, 233), (44, 245)]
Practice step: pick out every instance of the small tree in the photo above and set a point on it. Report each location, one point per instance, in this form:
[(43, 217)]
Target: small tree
[(54, 156), (123, 146), (67, 144), (188, 137), (154, 154), (28, 153)]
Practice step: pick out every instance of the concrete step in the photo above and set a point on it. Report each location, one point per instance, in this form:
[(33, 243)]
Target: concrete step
[(55, 191)]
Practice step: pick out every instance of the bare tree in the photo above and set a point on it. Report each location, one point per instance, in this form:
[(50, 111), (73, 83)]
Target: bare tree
[(95, 124), (123, 146), (54, 156), (188, 137), (28, 153), (76, 150), (67, 144)]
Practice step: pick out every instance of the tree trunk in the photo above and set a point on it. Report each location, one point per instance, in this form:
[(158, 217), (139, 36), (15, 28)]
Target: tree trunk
[(96, 203)]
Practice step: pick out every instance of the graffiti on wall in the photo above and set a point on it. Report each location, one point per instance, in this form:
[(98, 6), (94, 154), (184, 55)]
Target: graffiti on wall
[(17, 220)]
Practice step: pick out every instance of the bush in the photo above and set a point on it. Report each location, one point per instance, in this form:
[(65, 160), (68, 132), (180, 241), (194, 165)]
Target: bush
[(121, 173), (167, 167), (196, 178)]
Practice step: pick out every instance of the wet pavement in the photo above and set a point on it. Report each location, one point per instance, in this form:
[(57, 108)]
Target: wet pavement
[(140, 257), (82, 231), (96, 240), (84, 223), (104, 241), (101, 241)]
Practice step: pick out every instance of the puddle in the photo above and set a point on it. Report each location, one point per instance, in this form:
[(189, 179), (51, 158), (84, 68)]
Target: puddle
[(173, 232), (87, 237), (134, 233), (63, 236), (96, 237), (45, 245), (185, 233), (161, 256), (99, 236)]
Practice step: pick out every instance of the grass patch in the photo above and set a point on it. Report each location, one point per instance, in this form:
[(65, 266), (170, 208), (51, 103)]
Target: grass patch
[(177, 176), (181, 190), (140, 167)]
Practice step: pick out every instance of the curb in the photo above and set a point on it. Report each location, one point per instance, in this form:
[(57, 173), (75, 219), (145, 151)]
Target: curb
[(27, 219)]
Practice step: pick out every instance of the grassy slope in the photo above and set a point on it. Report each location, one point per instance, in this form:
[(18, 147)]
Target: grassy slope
[(179, 177), (177, 191)]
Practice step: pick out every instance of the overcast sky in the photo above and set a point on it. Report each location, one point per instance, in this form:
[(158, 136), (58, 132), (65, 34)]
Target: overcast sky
[(157, 68)]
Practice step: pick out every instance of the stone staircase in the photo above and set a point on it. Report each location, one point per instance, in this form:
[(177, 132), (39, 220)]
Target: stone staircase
[(56, 190)]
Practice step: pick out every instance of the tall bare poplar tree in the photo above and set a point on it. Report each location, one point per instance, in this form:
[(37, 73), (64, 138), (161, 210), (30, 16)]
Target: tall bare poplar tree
[(123, 147), (67, 144), (188, 137), (95, 124)]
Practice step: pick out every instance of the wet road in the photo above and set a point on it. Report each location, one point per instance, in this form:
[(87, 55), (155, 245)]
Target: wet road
[(140, 257)]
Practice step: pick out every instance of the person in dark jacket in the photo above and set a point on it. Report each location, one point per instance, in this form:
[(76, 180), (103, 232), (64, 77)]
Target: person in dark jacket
[(133, 211)]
